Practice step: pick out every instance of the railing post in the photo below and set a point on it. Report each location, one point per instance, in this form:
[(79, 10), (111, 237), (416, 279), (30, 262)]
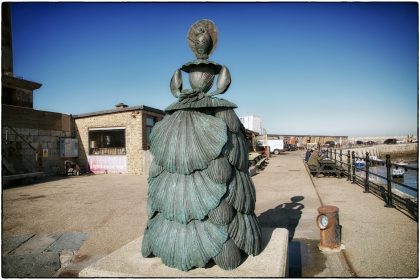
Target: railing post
[(353, 167), (388, 180), (335, 156), (367, 163), (348, 166), (341, 159)]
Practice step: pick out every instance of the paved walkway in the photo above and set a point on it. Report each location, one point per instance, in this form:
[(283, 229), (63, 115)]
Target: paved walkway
[(39, 255), (287, 198), (379, 241), (111, 210)]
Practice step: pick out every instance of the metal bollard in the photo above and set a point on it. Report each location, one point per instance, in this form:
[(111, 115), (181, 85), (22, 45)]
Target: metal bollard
[(330, 229), (335, 156)]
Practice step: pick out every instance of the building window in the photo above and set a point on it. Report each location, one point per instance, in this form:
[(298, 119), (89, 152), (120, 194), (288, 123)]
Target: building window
[(107, 141), (150, 123)]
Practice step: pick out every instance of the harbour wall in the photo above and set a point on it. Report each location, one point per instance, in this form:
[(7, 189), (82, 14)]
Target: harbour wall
[(396, 150)]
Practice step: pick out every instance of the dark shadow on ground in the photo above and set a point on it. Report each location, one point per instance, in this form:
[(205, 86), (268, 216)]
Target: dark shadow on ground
[(295, 259), (286, 215), (305, 259), (31, 181)]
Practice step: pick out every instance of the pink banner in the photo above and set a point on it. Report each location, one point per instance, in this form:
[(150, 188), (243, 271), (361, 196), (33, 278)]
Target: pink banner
[(108, 164)]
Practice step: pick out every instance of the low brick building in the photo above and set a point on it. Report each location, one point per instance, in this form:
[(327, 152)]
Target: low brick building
[(117, 140), (37, 143)]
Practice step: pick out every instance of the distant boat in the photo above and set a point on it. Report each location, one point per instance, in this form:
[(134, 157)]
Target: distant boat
[(398, 173), (375, 160), (359, 164)]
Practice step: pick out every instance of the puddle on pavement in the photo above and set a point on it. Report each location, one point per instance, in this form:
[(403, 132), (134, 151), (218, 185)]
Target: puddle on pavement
[(305, 259)]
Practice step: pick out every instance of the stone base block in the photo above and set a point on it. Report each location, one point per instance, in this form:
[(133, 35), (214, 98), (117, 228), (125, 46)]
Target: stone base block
[(128, 262)]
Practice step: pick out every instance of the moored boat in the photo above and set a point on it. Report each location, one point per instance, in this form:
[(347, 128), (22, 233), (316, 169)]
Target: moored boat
[(398, 173), (359, 164)]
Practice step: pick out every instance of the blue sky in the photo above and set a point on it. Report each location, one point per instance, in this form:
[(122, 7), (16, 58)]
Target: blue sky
[(304, 68)]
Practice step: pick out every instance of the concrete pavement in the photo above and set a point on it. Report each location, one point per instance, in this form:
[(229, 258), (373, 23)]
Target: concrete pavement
[(379, 241), (39, 255), (287, 198), (111, 210)]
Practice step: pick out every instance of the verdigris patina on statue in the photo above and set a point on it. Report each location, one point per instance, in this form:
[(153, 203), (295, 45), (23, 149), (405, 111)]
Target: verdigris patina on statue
[(201, 198)]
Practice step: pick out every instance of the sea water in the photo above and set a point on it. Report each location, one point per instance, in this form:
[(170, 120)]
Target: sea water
[(410, 178)]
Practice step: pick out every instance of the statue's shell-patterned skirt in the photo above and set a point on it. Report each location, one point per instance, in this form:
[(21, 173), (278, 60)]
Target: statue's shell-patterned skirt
[(201, 198)]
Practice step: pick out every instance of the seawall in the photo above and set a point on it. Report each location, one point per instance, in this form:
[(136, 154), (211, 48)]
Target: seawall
[(396, 151)]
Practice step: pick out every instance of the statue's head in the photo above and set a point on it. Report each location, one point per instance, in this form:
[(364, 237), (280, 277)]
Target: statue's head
[(297, 198), (202, 38)]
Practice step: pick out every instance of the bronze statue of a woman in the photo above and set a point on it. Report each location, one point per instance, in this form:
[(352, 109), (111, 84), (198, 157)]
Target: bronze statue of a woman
[(201, 198)]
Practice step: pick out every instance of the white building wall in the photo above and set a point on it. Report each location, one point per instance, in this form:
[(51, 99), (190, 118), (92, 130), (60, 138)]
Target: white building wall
[(252, 122)]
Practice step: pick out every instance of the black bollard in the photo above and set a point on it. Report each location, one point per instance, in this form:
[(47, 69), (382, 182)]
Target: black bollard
[(335, 156)]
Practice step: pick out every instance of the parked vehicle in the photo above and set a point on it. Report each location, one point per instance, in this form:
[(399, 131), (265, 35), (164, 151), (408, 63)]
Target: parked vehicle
[(290, 147), (329, 144), (390, 141), (359, 164), (276, 145), (310, 146)]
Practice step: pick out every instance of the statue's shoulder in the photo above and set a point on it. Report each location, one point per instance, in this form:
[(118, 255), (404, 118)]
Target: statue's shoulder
[(205, 102), (191, 65)]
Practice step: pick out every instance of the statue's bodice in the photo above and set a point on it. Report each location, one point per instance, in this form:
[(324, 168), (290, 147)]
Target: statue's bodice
[(201, 77)]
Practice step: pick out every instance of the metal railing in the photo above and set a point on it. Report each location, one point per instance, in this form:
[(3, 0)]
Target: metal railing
[(385, 188)]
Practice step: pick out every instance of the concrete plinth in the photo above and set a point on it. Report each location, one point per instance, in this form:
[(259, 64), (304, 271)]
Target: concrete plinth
[(128, 262)]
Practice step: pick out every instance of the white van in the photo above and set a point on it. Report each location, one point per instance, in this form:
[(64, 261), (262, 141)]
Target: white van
[(276, 145)]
